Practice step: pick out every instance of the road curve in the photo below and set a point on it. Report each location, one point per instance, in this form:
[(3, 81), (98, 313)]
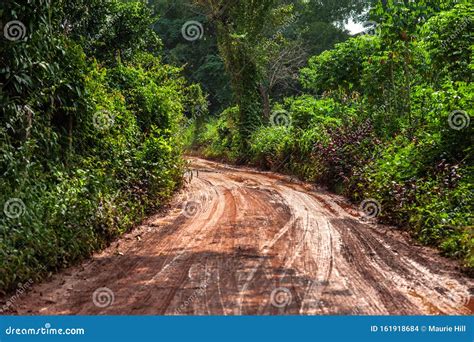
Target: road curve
[(241, 242)]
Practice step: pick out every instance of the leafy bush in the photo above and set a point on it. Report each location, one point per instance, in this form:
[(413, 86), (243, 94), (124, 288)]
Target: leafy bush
[(269, 146), (388, 118), (88, 146), (339, 69), (218, 138), (307, 110)]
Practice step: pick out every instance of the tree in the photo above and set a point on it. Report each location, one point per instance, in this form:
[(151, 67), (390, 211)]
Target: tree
[(200, 59), (240, 26)]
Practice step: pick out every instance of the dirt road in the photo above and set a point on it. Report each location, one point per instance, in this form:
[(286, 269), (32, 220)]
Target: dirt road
[(241, 242)]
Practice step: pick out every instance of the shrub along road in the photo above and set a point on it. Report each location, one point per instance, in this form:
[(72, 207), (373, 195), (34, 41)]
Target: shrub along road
[(242, 242)]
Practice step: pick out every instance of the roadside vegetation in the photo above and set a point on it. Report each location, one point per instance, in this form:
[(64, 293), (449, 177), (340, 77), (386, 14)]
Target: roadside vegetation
[(100, 99), (383, 118), (89, 137)]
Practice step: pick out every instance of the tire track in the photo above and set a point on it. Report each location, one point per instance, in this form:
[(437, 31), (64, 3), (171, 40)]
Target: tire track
[(253, 233)]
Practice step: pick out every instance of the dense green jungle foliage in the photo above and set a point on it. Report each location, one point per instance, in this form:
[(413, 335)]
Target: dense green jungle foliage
[(89, 137), (382, 117)]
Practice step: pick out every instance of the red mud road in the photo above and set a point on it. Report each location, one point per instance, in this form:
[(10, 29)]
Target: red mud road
[(242, 242)]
